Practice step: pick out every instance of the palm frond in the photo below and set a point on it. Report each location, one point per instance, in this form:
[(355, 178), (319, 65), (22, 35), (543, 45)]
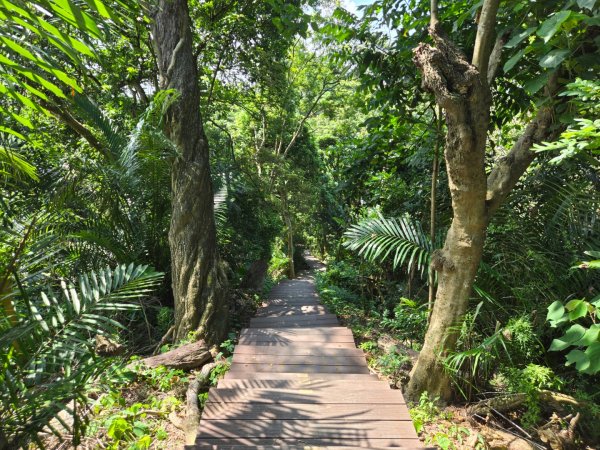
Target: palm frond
[(401, 238), (48, 359)]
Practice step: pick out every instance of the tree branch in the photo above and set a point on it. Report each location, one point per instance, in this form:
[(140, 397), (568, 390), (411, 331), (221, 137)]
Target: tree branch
[(434, 13), (509, 169), (79, 128), (485, 36), (495, 57)]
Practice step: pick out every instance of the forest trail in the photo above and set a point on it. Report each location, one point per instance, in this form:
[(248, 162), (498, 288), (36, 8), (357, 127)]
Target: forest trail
[(298, 381)]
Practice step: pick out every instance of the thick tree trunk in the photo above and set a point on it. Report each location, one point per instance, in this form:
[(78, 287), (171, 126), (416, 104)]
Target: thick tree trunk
[(198, 278)]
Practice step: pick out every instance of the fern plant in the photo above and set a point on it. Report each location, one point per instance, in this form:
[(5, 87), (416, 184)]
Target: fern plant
[(47, 350), (403, 238)]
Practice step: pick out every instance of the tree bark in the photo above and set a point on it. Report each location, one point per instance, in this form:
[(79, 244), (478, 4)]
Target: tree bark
[(198, 278)]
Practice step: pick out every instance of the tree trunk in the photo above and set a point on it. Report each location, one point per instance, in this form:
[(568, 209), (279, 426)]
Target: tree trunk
[(198, 278), (461, 90), (465, 98), (433, 206)]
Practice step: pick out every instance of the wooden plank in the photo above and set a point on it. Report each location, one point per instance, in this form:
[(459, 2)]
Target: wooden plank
[(314, 396), (300, 376), (295, 321), (279, 311), (297, 349), (300, 359), (305, 331), (308, 320), (308, 429), (249, 369), (277, 343), (282, 445), (301, 384), (300, 411)]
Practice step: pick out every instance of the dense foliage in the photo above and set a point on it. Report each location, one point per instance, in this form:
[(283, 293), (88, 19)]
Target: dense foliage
[(321, 138)]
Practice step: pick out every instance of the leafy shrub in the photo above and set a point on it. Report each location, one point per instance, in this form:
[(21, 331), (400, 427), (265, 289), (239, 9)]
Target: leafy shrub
[(522, 343), (409, 321)]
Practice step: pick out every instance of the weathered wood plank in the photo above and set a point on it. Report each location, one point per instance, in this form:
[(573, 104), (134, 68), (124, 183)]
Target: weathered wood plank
[(312, 396), (315, 429), (308, 330), (352, 442), (297, 349), (250, 369), (358, 360), (283, 445), (367, 383), (300, 376), (299, 411), (276, 343), (320, 321)]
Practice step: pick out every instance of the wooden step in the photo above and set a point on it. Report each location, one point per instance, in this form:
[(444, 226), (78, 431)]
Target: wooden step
[(281, 344), (298, 321), (307, 349), (300, 376), (250, 369), (312, 383), (308, 396), (285, 311), (302, 411), (313, 330), (300, 359), (354, 442), (285, 446)]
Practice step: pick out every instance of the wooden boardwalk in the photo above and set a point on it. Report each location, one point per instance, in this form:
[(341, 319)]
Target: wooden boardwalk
[(298, 382)]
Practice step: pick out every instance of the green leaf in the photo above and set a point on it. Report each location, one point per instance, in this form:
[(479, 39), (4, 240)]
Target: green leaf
[(591, 335), (580, 359), (573, 334), (589, 4), (534, 85), (518, 38), (577, 309), (552, 25), (513, 60), (556, 314), (593, 353), (553, 58)]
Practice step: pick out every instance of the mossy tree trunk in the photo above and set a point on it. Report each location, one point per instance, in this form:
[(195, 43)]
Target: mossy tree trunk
[(198, 278)]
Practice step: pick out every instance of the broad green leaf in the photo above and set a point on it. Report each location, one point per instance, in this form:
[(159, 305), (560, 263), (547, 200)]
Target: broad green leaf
[(579, 358), (513, 60), (589, 4), (591, 335), (573, 334), (554, 58), (552, 25), (593, 353), (556, 313), (535, 84), (577, 309), (518, 38)]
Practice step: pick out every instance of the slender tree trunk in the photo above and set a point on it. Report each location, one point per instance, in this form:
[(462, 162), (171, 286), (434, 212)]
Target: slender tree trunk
[(433, 207), (198, 278), (290, 235)]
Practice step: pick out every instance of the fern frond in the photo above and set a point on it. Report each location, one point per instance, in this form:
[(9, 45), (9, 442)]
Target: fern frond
[(403, 238)]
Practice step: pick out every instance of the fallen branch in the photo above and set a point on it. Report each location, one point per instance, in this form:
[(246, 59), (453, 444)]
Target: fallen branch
[(504, 403), (192, 411), (186, 357)]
